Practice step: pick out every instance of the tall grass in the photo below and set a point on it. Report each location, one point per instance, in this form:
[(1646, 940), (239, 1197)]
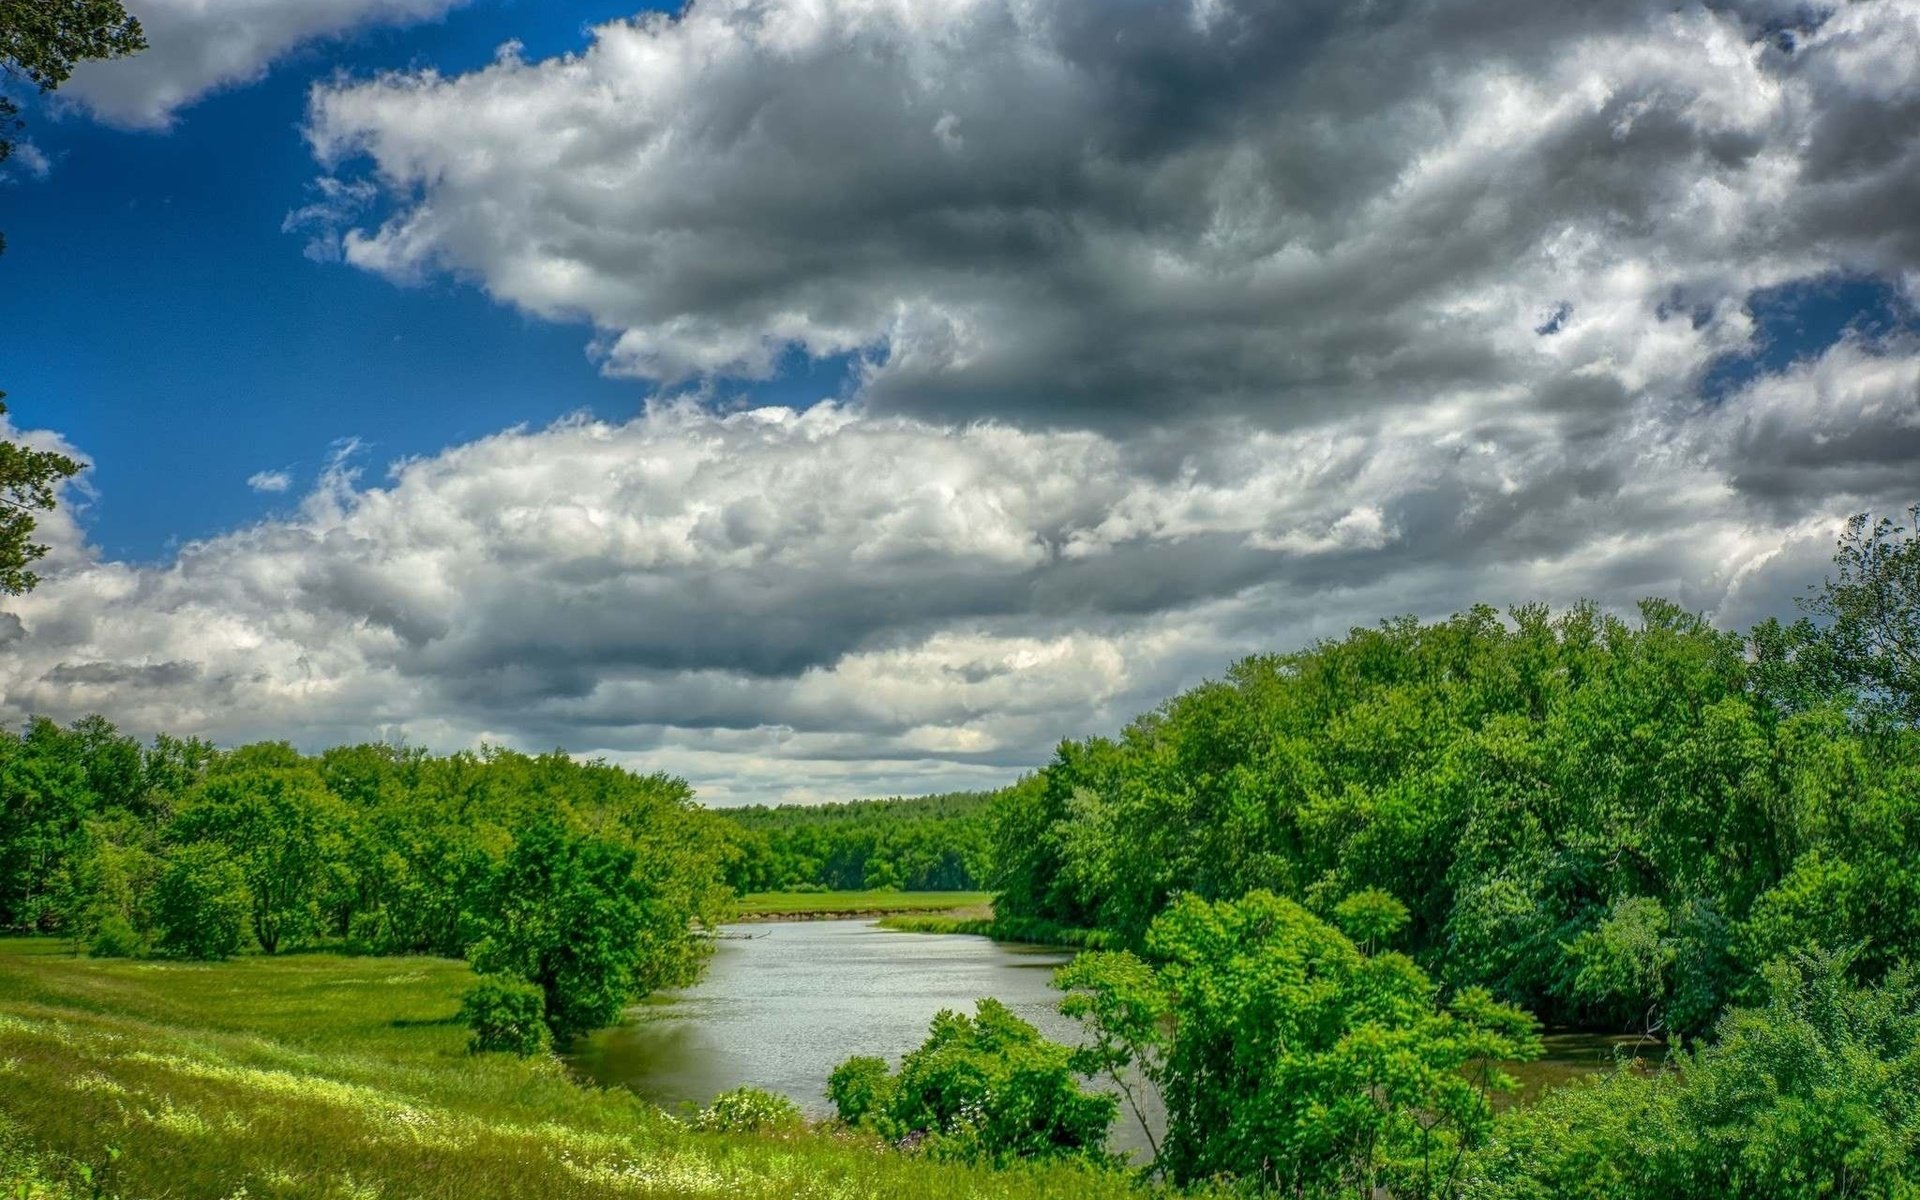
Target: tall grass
[(326, 1076)]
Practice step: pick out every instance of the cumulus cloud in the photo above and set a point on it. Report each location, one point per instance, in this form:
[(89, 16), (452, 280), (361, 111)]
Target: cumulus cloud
[(838, 602), (273, 482), (1181, 331), (199, 46), (1109, 214)]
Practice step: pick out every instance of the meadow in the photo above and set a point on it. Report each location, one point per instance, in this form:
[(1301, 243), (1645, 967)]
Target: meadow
[(319, 1075)]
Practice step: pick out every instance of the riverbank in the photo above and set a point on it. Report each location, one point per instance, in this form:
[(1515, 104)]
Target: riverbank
[(864, 905), (321, 1077), (1019, 930)]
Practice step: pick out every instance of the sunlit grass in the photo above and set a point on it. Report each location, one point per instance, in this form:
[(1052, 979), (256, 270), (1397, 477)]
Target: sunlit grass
[(327, 1076), (867, 903)]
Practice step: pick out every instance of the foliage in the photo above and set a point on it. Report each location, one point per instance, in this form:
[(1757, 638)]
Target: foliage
[(980, 1088), (924, 844), (201, 904), (1288, 1059), (565, 914), (40, 42), (579, 876), (288, 833), (1872, 612), (27, 481), (1609, 823), (1815, 1093), (749, 1110), (505, 1014), (859, 1088), (115, 938)]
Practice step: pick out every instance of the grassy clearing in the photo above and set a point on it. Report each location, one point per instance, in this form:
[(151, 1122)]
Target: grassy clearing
[(766, 905), (324, 1076)]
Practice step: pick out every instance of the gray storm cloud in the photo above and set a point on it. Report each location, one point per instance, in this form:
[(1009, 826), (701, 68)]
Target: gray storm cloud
[(1178, 331)]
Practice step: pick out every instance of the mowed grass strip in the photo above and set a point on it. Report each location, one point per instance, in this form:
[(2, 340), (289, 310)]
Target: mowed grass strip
[(868, 903), (326, 1076)]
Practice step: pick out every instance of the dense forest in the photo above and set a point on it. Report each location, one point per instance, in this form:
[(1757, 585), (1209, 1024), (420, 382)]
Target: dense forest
[(926, 843)]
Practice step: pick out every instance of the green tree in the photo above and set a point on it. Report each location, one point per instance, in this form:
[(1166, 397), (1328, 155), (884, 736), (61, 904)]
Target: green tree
[(27, 481), (1289, 1060), (287, 833), (982, 1088), (42, 40), (201, 903), (1872, 608), (1813, 1093), (568, 914)]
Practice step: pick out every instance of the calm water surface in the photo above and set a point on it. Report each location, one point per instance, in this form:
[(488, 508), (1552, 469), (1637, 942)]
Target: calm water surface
[(783, 1009)]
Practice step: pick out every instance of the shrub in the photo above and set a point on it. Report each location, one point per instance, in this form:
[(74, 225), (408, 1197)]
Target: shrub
[(507, 1014), (115, 938), (1815, 1094), (201, 904), (859, 1086), (749, 1110), (981, 1088)]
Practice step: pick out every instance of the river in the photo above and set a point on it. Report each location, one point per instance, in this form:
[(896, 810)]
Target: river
[(782, 1005)]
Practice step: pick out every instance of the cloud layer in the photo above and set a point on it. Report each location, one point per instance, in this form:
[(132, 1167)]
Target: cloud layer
[(1181, 331), (1108, 214), (836, 602), (198, 46)]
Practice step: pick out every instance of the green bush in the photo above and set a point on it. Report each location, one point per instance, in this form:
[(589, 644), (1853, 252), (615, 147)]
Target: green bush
[(982, 1088), (201, 904), (749, 1110), (859, 1086), (506, 1014), (115, 938), (1814, 1094)]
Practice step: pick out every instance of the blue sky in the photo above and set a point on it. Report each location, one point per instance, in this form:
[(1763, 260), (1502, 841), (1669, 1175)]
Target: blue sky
[(155, 314), (1153, 334)]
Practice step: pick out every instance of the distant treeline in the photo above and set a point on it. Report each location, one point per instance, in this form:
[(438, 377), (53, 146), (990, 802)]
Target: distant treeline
[(927, 843), (1610, 823), (578, 880)]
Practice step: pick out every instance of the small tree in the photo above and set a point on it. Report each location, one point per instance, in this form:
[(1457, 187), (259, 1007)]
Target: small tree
[(201, 904), (567, 914), (506, 1014)]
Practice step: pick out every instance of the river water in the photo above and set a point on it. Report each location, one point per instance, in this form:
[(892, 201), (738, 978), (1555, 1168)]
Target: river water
[(782, 1005)]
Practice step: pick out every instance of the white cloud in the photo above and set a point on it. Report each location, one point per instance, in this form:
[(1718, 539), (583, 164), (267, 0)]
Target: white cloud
[(270, 481), (1081, 214), (31, 159), (198, 46), (840, 603)]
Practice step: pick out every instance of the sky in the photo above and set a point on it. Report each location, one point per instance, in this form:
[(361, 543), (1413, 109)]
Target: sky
[(830, 398)]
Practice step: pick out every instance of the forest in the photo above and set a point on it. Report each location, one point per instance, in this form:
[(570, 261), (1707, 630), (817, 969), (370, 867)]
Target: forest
[(1331, 899), (918, 844)]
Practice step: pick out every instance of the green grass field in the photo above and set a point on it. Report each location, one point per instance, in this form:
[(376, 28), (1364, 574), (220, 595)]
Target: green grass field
[(325, 1076), (869, 903)]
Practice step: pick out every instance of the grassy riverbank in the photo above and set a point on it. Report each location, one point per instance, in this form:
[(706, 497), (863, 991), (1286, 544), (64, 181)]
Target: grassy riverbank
[(778, 906), (324, 1076), (1027, 930)]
